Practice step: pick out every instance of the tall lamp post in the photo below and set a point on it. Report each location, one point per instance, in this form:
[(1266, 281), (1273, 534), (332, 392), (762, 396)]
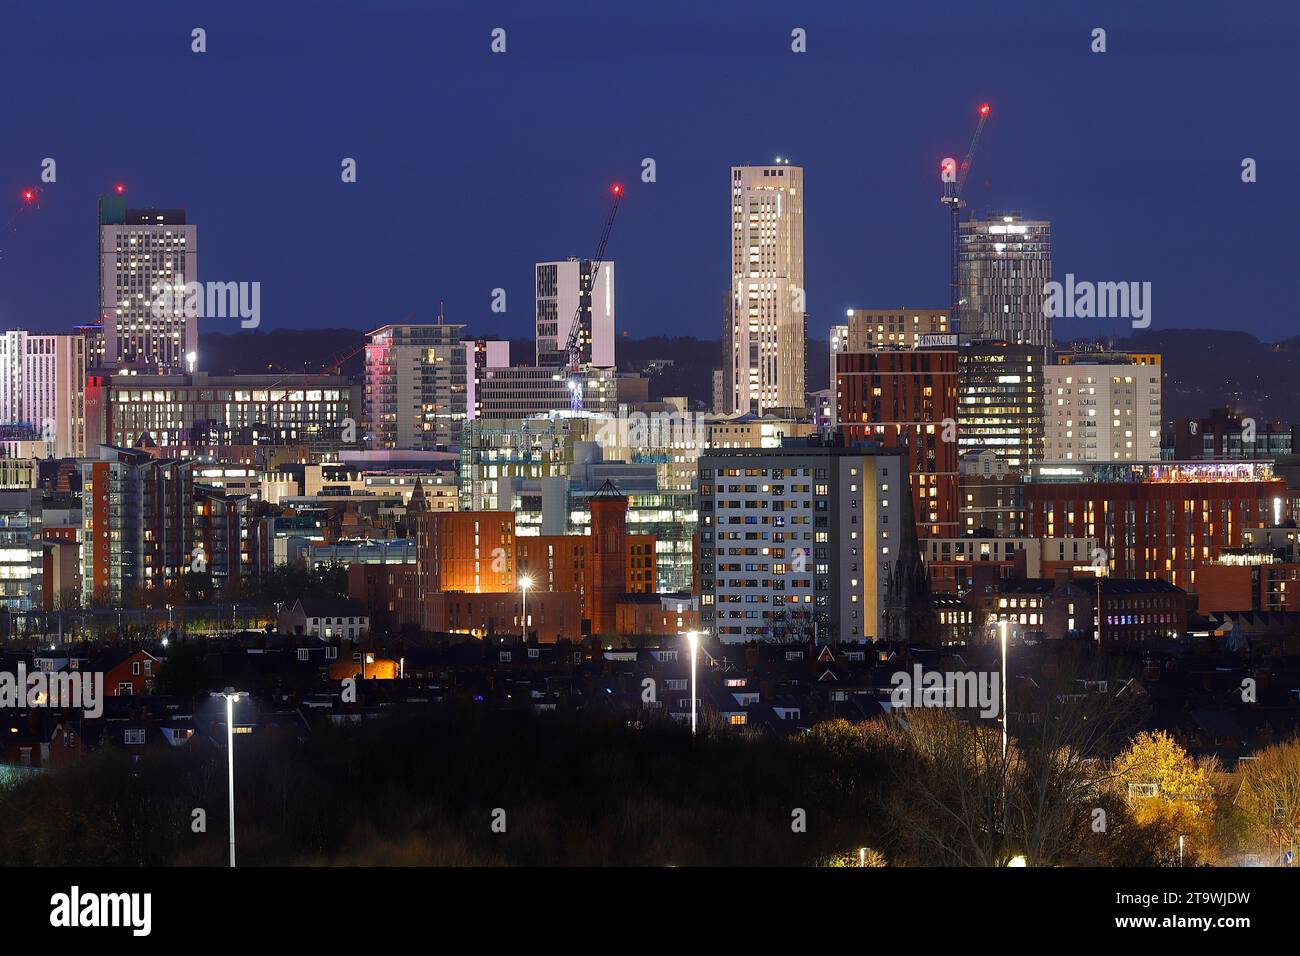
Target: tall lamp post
[(231, 696), (524, 584), (1002, 626), (693, 638)]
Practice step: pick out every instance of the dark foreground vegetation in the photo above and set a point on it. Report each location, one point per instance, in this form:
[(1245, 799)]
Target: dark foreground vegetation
[(421, 788)]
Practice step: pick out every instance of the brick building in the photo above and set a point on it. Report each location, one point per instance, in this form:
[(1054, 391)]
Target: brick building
[(904, 397), (1155, 519)]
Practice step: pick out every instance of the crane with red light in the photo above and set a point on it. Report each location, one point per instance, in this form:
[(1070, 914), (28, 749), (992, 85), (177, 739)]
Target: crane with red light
[(574, 345), (953, 181)]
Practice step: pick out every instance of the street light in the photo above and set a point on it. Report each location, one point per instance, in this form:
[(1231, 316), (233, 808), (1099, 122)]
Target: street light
[(693, 638), (524, 584), (1002, 628), (231, 696)]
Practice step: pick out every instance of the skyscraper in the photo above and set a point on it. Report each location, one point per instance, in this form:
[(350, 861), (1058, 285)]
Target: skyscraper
[(559, 290), (416, 385), (43, 389), (1005, 263), (1000, 401), (142, 254), (766, 315)]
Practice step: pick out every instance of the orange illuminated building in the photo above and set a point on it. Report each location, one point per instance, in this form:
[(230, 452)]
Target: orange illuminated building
[(601, 567), (470, 551), (907, 396)]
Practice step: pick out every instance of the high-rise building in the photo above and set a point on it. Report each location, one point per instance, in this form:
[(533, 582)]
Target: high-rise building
[(907, 397), (21, 552), (138, 524), (416, 385), (146, 257), (1102, 407), (1005, 263), (43, 389), (559, 294), (797, 542), (766, 316), (1000, 400), (481, 355)]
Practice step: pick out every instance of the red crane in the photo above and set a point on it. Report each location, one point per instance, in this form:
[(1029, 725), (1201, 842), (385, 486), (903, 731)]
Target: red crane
[(953, 181)]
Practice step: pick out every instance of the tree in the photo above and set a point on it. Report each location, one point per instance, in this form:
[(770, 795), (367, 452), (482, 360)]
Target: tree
[(1164, 786), (1270, 796), (184, 673), (198, 587)]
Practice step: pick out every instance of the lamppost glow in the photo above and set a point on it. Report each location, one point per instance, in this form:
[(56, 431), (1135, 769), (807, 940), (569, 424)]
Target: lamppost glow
[(231, 696), (524, 584), (693, 638), (1002, 626)]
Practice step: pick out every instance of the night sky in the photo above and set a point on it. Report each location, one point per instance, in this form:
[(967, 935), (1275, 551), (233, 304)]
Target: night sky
[(471, 166)]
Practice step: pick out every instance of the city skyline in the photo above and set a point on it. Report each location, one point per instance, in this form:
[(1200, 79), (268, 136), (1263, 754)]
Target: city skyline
[(1208, 260)]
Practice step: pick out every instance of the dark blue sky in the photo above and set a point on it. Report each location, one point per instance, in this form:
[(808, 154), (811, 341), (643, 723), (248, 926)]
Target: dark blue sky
[(473, 165)]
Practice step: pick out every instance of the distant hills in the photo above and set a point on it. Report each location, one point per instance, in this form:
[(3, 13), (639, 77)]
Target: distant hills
[(1203, 367)]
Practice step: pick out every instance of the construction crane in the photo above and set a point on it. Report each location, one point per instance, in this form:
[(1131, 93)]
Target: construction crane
[(574, 346), (954, 178)]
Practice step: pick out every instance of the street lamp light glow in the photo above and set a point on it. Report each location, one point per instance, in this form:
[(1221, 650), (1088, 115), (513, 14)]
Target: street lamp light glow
[(693, 638), (524, 584), (1002, 626), (231, 696)]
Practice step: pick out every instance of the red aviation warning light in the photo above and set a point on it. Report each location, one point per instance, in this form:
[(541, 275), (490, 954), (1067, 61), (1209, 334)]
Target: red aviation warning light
[(984, 109), (29, 195), (119, 188), (617, 189)]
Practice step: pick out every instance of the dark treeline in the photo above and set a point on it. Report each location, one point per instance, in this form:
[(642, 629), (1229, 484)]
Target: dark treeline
[(420, 788)]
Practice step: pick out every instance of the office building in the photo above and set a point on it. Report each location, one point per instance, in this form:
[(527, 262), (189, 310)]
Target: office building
[(525, 391), (765, 322), (21, 553), (146, 258), (481, 355), (565, 291), (217, 417), (1004, 265), (1000, 400)]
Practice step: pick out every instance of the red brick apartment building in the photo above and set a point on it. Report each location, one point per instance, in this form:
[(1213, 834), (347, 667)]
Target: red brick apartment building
[(901, 397), (1163, 520)]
